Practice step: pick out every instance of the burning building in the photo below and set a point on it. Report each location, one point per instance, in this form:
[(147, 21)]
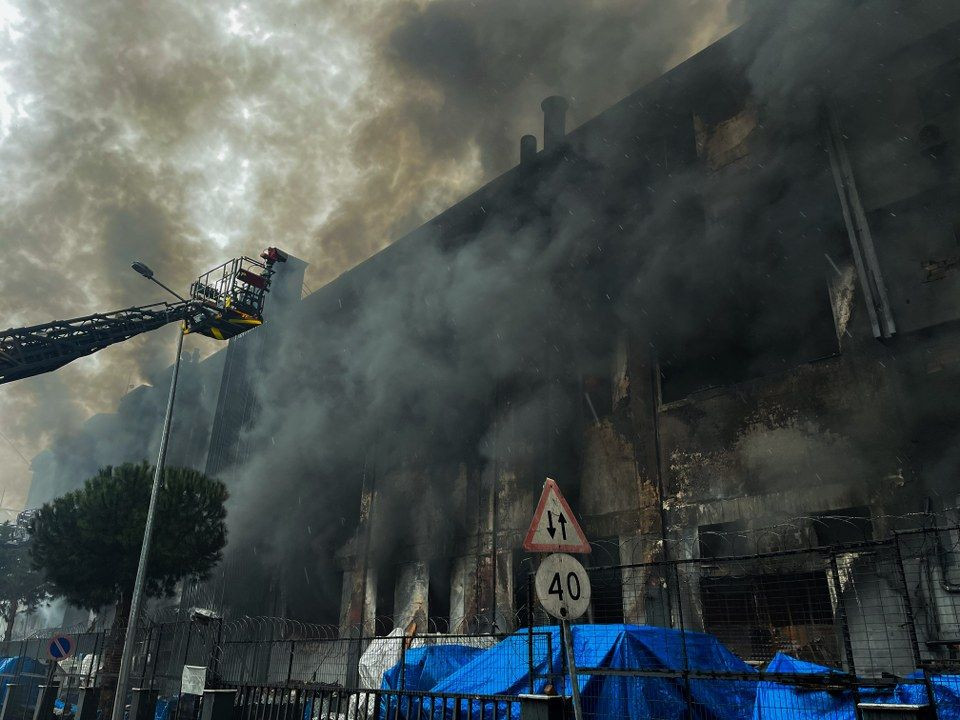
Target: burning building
[(722, 314)]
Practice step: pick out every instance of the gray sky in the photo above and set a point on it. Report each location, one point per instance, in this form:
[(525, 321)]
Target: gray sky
[(182, 133)]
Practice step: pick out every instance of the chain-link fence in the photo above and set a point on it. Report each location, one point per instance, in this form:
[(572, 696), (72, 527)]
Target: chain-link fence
[(797, 633), (777, 634)]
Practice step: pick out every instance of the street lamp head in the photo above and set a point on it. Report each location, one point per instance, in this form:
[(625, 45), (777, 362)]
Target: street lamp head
[(143, 270)]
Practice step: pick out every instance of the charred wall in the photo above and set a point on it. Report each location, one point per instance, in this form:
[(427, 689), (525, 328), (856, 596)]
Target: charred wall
[(749, 384)]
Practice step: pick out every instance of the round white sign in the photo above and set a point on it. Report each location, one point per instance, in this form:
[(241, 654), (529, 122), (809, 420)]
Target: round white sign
[(563, 586)]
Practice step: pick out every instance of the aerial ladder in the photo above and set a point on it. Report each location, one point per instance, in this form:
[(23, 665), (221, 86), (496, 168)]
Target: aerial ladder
[(223, 303)]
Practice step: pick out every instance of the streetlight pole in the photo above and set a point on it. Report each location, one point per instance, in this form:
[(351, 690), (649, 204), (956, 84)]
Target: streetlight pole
[(120, 698)]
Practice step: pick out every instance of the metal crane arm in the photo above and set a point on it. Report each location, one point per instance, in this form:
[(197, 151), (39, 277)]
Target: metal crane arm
[(41, 348)]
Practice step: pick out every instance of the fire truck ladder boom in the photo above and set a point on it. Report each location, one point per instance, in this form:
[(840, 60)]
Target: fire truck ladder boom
[(41, 348)]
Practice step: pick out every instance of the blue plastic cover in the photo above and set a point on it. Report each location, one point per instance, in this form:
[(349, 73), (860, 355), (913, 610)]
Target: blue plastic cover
[(946, 693), (59, 705), (424, 667), (782, 700), (25, 672), (792, 701), (164, 708), (504, 670)]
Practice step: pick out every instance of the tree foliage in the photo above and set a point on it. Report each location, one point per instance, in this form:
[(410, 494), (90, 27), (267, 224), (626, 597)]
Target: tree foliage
[(88, 541), (21, 587)]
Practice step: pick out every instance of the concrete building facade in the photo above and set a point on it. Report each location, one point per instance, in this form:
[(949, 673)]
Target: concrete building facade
[(745, 339)]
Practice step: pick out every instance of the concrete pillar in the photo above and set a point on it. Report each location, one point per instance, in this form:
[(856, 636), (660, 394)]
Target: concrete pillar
[(506, 620), (461, 593), (410, 601)]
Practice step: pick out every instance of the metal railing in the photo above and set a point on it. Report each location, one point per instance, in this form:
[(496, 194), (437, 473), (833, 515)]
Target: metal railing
[(864, 621)]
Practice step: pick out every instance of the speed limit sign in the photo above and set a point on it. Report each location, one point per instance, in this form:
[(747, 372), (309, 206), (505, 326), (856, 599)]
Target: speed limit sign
[(563, 586)]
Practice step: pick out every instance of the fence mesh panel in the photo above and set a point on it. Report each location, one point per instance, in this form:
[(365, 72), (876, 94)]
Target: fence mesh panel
[(776, 634)]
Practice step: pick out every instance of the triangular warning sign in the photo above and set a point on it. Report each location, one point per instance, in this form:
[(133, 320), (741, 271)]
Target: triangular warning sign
[(554, 528)]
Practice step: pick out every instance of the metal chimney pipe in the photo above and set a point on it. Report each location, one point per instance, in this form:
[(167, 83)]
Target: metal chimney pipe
[(554, 120), (528, 149)]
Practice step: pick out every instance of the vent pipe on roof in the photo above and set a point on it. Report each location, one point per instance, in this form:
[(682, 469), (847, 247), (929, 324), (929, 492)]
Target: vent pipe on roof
[(554, 120), (528, 149)]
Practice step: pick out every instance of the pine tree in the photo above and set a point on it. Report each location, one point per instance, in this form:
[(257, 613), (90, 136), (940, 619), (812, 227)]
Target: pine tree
[(88, 541)]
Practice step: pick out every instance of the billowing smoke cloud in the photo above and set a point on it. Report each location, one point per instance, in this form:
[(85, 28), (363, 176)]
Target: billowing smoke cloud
[(455, 350), (182, 134), (330, 131)]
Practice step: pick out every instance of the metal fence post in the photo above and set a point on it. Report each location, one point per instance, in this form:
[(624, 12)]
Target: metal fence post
[(687, 695), (146, 655), (6, 710), (156, 658), (217, 653), (87, 702), (530, 665), (912, 624), (290, 663), (907, 604), (48, 693), (845, 631), (842, 615), (186, 651)]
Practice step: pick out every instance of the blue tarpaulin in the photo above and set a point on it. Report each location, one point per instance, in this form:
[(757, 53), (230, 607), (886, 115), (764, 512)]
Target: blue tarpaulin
[(946, 692), (424, 667), (59, 706), (165, 708), (795, 701), (28, 674), (504, 670)]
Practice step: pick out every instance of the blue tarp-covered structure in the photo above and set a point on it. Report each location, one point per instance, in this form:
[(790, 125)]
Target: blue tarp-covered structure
[(27, 674), (796, 700), (504, 670), (425, 667)]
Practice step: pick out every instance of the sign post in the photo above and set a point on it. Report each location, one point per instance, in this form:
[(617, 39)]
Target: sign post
[(562, 583)]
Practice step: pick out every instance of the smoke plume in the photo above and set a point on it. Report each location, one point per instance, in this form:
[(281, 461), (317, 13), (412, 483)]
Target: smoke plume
[(182, 134)]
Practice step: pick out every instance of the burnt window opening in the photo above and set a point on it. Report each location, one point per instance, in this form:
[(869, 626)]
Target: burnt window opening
[(728, 539), (842, 527), (745, 344), (386, 591), (759, 615), (597, 397), (606, 581), (439, 595), (748, 303)]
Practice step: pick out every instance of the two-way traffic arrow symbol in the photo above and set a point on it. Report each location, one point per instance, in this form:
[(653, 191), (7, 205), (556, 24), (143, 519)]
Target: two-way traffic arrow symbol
[(563, 525)]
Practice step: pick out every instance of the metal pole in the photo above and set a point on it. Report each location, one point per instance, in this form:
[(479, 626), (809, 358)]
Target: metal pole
[(687, 694), (845, 630), (571, 668), (119, 699), (531, 668)]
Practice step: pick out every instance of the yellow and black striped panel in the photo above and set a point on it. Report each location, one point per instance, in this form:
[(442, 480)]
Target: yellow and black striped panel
[(224, 325)]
